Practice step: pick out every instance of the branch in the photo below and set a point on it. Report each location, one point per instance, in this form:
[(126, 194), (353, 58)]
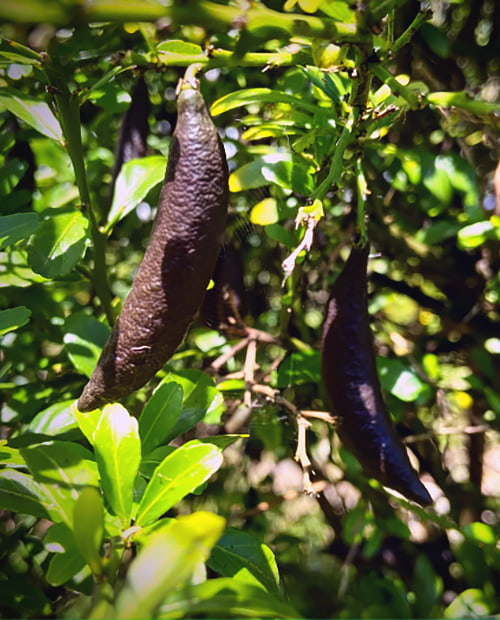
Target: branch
[(301, 455), (69, 114)]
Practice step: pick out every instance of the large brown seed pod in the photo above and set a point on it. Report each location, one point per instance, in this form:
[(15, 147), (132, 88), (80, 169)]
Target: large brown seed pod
[(351, 381), (172, 279)]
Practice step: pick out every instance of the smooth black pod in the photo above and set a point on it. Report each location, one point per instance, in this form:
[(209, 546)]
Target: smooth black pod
[(172, 279), (352, 385)]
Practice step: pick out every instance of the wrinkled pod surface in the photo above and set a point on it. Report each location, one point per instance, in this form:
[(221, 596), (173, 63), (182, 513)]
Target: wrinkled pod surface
[(352, 385), (180, 258)]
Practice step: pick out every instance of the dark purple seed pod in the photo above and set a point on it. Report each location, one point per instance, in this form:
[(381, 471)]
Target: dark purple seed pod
[(353, 388), (172, 279), (134, 130)]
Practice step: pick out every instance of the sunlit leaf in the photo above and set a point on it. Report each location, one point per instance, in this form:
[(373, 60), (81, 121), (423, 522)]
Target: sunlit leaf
[(136, 178), (13, 318), (201, 400), (55, 420), (225, 597), (166, 561), (62, 469), (471, 603), (480, 532), (309, 6), (160, 415), (180, 473), (59, 243), (264, 212), (281, 169), (463, 101), (20, 493), (11, 457), (118, 453), (250, 96), (179, 47), (84, 339), (476, 234), (15, 227), (399, 379), (32, 111), (14, 51), (67, 559), (88, 527), (339, 10)]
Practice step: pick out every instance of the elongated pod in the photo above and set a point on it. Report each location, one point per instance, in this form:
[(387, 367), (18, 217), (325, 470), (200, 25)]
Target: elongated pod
[(351, 381), (134, 130), (172, 279)]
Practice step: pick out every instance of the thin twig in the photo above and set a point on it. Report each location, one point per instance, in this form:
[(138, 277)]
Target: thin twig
[(319, 415), (249, 370), (466, 430), (301, 455), (218, 363)]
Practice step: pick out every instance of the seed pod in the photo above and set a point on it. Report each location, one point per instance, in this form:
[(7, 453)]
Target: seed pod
[(179, 261), (351, 381), (134, 130), (224, 303)]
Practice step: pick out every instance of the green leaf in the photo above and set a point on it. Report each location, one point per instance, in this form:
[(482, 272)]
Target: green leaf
[(152, 459), (428, 585), (281, 169), (221, 441), (300, 367), (463, 101), (17, 226), (225, 598), (282, 235), (476, 234), (160, 415), (32, 111), (33, 11), (136, 178), (168, 559), (13, 318), (179, 47), (84, 339), (340, 11), (67, 559), (470, 603), (55, 420), (179, 474), (201, 399), (88, 527), (62, 469), (20, 493), (13, 51), (61, 462), (265, 212), (259, 95), (59, 243), (11, 172), (118, 453), (480, 532), (15, 270), (240, 555), (399, 379), (10, 456), (87, 421)]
